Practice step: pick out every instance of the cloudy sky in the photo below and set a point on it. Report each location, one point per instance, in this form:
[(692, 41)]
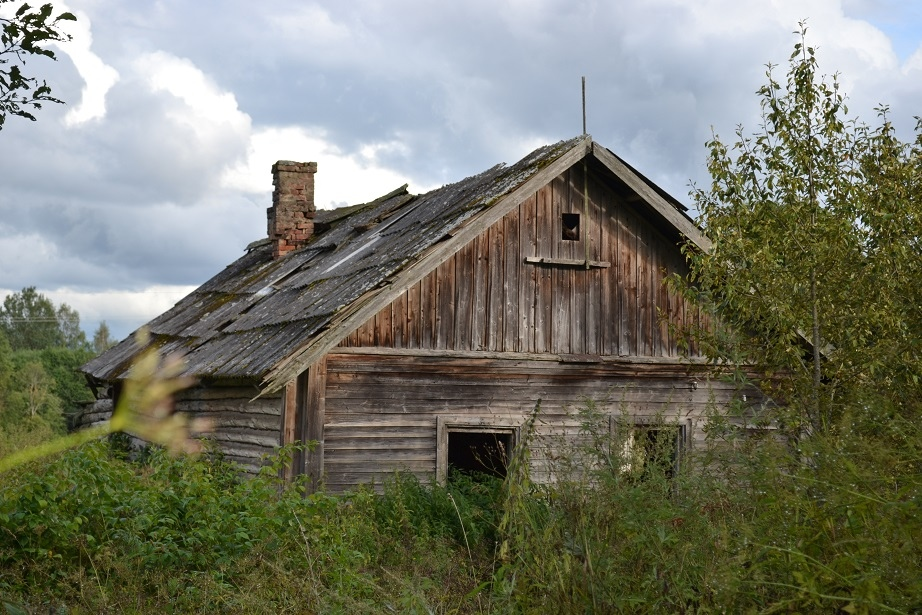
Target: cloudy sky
[(155, 175)]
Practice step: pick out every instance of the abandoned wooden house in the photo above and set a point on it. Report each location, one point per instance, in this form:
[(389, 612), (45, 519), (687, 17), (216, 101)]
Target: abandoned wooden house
[(418, 332)]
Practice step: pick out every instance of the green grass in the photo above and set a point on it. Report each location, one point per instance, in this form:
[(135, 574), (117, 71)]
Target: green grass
[(747, 526)]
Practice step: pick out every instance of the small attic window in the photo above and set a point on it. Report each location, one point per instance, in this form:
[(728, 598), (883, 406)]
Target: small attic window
[(570, 227)]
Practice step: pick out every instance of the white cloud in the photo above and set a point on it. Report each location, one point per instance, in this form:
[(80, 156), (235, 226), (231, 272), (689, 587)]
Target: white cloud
[(914, 63), (98, 77), (309, 24), (342, 178), (206, 106)]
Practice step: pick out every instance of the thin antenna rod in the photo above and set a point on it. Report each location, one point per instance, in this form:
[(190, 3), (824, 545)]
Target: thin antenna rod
[(584, 105)]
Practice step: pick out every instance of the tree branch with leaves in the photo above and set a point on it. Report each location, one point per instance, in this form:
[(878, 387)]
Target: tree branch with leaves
[(23, 37), (815, 223)]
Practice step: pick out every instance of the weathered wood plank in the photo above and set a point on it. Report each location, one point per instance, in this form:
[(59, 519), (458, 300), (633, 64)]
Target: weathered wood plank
[(528, 283), (445, 298), (266, 441), (544, 280), (567, 262), (628, 263), (428, 306), (413, 317), (270, 407), (579, 278), (512, 264), (515, 360), (350, 481), (199, 393), (384, 332), (494, 305), (644, 305), (264, 422), (594, 314), (479, 292), (385, 443), (562, 278), (607, 324), (315, 416), (370, 457), (660, 324), (289, 414), (335, 467), (464, 300), (399, 322), (344, 420)]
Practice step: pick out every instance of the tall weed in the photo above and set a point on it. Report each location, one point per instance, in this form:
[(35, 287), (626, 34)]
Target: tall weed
[(746, 524)]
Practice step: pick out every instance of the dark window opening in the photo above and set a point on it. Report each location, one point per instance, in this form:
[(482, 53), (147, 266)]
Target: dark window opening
[(484, 452), (570, 227)]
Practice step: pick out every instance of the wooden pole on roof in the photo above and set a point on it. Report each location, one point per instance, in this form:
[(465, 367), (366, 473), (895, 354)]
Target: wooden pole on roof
[(585, 186)]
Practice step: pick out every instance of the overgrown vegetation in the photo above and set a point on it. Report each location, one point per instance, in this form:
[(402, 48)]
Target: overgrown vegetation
[(748, 527), (94, 531)]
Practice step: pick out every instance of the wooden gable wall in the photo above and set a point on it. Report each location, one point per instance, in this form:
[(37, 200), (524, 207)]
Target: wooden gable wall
[(488, 298)]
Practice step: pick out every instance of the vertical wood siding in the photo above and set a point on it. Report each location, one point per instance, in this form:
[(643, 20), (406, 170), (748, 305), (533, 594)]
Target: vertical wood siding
[(486, 297)]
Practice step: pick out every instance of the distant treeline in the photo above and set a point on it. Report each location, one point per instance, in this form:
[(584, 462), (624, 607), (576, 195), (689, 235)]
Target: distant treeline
[(41, 348)]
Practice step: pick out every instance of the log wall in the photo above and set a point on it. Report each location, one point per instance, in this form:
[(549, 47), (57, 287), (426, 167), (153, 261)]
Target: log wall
[(382, 408), (245, 430)]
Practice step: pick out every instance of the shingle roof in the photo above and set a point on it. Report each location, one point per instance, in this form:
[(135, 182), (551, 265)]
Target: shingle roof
[(257, 311)]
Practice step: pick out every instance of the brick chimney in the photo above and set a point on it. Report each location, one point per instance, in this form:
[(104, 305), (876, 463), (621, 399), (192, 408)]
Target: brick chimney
[(291, 217)]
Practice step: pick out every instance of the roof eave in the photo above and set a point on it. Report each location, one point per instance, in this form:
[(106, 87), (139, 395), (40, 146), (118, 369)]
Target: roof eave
[(653, 199)]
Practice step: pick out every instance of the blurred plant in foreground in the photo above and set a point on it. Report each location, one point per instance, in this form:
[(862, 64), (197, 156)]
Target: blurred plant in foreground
[(145, 410)]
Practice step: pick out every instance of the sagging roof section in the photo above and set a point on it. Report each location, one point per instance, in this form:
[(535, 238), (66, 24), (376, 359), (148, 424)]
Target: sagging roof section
[(269, 319)]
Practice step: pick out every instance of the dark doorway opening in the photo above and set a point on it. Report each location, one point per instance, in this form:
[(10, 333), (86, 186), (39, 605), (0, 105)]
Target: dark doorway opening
[(478, 451)]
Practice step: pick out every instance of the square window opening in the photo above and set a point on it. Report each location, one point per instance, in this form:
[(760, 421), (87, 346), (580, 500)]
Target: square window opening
[(652, 451), (570, 227), (474, 444), (473, 452)]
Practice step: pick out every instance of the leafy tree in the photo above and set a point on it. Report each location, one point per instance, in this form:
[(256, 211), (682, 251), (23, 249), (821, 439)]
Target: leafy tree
[(46, 351), (34, 394), (68, 384), (890, 289), (814, 270), (102, 339), (24, 36), (31, 321), (72, 336)]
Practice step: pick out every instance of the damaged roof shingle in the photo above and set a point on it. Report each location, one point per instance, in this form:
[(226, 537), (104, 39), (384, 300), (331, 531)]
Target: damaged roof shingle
[(256, 311), (262, 318)]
